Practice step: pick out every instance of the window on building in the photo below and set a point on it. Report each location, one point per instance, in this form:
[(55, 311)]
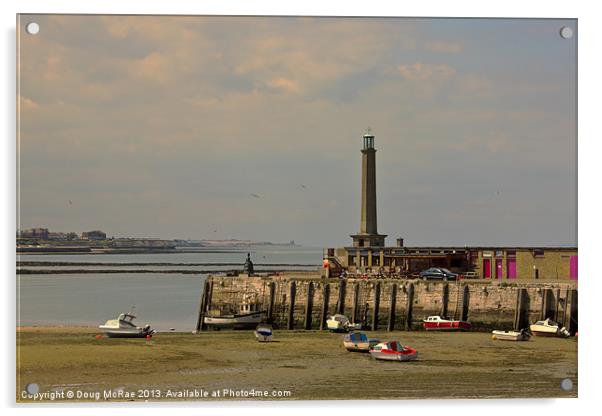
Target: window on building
[(538, 252)]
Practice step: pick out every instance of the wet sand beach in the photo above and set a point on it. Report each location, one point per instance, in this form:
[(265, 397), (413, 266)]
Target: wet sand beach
[(302, 365)]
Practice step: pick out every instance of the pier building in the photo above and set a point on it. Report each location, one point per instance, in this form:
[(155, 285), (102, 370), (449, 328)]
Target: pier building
[(369, 254)]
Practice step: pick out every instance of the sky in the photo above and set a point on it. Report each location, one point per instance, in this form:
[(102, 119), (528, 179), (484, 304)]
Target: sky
[(251, 128)]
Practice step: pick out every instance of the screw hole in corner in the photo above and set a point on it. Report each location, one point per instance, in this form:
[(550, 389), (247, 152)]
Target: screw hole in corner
[(566, 32), (32, 28)]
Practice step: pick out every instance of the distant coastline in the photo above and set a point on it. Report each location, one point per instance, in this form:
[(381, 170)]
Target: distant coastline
[(32, 245)]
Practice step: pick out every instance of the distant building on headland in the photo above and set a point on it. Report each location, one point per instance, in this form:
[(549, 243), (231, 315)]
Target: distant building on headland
[(94, 235), (57, 236), (369, 255), (141, 243), (41, 233)]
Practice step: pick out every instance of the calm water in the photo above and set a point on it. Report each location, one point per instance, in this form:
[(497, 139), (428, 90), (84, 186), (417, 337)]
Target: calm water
[(165, 300)]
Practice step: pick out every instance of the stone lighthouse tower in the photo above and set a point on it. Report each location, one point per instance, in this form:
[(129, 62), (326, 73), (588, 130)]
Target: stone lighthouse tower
[(368, 235)]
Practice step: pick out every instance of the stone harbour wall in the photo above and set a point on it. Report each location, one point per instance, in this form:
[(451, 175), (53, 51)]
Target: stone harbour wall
[(304, 301)]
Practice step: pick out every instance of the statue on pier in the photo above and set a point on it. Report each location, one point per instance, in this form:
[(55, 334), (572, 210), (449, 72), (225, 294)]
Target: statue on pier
[(248, 267)]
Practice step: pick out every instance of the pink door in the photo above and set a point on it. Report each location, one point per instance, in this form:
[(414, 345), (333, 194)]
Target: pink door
[(487, 268), (498, 269), (573, 268), (511, 268)]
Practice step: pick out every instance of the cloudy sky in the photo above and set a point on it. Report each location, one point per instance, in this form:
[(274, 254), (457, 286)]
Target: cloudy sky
[(246, 127)]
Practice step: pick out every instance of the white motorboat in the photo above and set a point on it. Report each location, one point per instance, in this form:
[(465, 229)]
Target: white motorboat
[(549, 328), (248, 317), (522, 335), (264, 333), (338, 323), (124, 327)]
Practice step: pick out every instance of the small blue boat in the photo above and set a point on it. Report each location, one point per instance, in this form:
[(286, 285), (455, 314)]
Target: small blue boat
[(264, 333), (358, 342)]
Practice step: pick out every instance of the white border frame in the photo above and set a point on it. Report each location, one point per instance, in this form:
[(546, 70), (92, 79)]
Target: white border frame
[(588, 154)]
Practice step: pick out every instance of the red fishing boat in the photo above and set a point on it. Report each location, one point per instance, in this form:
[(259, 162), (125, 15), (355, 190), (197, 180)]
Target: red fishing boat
[(436, 323), (393, 351)]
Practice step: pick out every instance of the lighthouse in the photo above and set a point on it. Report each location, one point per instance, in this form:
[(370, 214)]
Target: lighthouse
[(368, 235)]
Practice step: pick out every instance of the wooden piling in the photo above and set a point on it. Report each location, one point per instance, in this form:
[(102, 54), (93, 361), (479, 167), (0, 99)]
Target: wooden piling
[(341, 298), (202, 307), (291, 309), (376, 306), (309, 303), (444, 299), (271, 300), (325, 299), (547, 304), (565, 313), (356, 299), (392, 303), (521, 312), (465, 303), (409, 307), (557, 306), (573, 327)]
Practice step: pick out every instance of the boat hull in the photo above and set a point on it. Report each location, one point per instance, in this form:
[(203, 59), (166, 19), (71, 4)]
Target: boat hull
[(248, 321), (510, 336), (447, 326), (387, 356), (548, 334), (264, 335), (541, 331), (362, 346), (126, 333)]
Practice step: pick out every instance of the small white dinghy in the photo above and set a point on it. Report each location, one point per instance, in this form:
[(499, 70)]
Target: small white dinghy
[(522, 335), (338, 323), (124, 327), (549, 328), (264, 333)]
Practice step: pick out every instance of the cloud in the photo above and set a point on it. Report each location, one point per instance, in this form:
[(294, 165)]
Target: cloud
[(426, 72), (172, 116), (27, 103), (491, 142), (441, 46)]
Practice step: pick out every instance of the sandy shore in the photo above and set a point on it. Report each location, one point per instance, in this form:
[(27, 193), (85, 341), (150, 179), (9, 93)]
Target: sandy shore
[(302, 365)]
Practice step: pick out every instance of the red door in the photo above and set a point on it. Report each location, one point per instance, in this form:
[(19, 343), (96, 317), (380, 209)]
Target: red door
[(573, 267), (511, 268), (498, 269), (487, 268)]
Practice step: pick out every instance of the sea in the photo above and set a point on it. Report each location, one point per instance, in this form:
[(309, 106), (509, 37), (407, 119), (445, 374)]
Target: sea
[(168, 301)]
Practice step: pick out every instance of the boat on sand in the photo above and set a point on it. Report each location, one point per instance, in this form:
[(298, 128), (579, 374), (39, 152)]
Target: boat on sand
[(124, 327), (248, 317), (549, 328), (338, 323), (437, 323), (393, 351), (358, 342), (264, 333), (522, 335)]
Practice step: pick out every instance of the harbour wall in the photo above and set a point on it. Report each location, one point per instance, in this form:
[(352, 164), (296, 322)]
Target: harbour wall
[(304, 301)]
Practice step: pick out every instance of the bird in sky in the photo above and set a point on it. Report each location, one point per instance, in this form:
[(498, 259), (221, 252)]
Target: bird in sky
[(255, 195)]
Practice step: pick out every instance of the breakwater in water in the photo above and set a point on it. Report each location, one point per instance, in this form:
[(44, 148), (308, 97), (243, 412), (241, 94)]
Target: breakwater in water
[(304, 301)]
